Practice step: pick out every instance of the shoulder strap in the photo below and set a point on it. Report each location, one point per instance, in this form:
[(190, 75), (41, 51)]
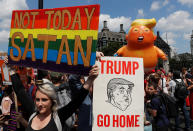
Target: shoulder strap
[(182, 82), (32, 116), (162, 83), (57, 121)]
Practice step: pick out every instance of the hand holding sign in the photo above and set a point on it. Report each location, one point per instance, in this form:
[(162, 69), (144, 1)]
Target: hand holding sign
[(92, 76), (99, 55)]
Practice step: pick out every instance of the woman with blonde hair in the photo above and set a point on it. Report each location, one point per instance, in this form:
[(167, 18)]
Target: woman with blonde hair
[(44, 114)]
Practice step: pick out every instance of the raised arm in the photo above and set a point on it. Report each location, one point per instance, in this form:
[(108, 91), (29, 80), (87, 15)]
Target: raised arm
[(69, 109), (23, 97)]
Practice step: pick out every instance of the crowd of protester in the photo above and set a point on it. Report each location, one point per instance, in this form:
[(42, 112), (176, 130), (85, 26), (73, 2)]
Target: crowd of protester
[(52, 101), (159, 83)]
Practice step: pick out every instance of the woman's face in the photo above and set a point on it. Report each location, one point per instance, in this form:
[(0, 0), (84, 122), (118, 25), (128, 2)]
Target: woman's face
[(43, 103)]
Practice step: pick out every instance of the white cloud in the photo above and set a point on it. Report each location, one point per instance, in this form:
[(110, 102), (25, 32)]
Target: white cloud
[(4, 35), (6, 7), (173, 51), (5, 23), (187, 36), (156, 5), (140, 13), (114, 23), (169, 37), (186, 2), (170, 8), (177, 21), (166, 2)]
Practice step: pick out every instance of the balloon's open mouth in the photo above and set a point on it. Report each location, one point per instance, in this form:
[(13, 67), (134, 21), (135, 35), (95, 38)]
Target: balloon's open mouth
[(140, 38)]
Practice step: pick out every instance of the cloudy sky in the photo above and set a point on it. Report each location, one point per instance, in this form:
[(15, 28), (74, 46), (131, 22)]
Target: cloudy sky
[(174, 17)]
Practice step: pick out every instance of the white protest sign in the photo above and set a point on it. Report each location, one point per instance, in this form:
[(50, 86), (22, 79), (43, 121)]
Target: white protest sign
[(5, 71), (118, 99)]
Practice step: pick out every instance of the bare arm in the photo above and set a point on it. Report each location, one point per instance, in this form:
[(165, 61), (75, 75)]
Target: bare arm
[(71, 107), (20, 119), (190, 87), (6, 106), (23, 97)]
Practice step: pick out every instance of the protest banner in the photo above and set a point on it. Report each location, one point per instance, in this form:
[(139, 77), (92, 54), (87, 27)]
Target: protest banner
[(5, 73), (59, 39), (3, 54), (118, 99), (22, 72)]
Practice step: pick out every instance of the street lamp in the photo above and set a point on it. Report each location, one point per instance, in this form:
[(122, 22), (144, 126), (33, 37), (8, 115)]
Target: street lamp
[(40, 5)]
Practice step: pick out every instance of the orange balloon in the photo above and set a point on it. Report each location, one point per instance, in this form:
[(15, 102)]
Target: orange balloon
[(140, 43)]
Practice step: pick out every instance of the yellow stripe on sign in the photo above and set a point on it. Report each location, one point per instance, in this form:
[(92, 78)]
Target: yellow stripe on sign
[(70, 33)]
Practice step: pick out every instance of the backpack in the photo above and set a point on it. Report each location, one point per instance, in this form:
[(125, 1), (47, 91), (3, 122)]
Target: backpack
[(181, 91), (170, 104)]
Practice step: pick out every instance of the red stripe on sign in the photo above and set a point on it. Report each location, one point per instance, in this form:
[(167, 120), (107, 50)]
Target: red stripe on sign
[(69, 18)]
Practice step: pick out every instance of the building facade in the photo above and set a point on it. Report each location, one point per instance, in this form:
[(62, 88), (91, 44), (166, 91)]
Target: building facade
[(191, 43), (106, 36), (160, 43)]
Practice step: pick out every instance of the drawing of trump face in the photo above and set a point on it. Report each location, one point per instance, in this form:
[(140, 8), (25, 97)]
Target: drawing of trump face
[(119, 93)]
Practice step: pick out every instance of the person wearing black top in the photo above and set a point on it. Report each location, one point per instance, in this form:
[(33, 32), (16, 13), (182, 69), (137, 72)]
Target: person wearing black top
[(157, 109), (44, 114)]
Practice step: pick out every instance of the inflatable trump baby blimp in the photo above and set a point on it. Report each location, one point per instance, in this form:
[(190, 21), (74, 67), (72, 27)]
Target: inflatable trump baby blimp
[(140, 43)]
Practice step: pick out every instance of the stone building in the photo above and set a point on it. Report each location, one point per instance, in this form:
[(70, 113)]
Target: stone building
[(191, 43), (106, 36), (160, 43)]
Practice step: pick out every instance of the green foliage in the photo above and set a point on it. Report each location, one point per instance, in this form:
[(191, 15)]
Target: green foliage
[(111, 49), (182, 61), (160, 63), (174, 64)]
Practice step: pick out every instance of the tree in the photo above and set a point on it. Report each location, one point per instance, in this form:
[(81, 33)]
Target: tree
[(111, 48), (182, 61)]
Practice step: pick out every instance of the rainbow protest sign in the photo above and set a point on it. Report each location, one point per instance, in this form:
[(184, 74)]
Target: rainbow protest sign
[(60, 39)]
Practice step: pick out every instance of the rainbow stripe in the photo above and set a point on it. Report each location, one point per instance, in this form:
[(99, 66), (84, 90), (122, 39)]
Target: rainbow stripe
[(26, 23)]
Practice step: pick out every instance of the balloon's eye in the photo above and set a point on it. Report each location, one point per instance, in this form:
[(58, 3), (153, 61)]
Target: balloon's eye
[(135, 29), (146, 30)]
